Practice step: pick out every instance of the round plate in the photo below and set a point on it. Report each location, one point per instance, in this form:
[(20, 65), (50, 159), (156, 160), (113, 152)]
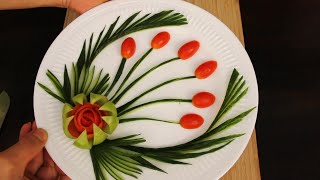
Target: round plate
[(217, 42)]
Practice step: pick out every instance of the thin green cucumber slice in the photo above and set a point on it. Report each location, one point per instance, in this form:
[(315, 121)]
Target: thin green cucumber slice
[(112, 123), (79, 99), (109, 106), (89, 79), (66, 109), (98, 99), (82, 77), (82, 141), (66, 122), (98, 135)]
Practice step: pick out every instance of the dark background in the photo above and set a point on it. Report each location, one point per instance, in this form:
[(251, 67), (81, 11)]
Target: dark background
[(282, 38)]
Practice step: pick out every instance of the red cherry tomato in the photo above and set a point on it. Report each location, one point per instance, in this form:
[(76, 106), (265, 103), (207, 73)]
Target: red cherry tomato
[(206, 69), (128, 48), (160, 40), (203, 100), (191, 121), (188, 50)]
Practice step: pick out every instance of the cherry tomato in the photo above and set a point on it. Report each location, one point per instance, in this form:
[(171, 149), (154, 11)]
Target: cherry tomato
[(206, 69), (188, 50), (160, 40), (128, 48), (191, 121), (203, 100)]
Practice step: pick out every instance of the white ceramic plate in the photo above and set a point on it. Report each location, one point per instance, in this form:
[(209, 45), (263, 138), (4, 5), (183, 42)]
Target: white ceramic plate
[(217, 42)]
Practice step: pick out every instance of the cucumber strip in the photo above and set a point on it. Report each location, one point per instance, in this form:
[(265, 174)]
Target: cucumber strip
[(67, 85), (128, 104), (89, 50), (154, 102), (45, 88), (111, 170), (135, 66), (124, 152), (53, 79), (143, 162), (98, 40), (81, 78), (127, 22), (129, 161), (117, 99), (73, 80), (146, 119), (85, 80), (118, 167), (118, 75), (97, 167), (94, 82), (82, 58), (124, 165), (89, 80), (138, 21)]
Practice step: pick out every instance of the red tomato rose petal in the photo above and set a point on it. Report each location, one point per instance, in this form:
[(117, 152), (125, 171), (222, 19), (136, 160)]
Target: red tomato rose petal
[(90, 136), (73, 130), (89, 129)]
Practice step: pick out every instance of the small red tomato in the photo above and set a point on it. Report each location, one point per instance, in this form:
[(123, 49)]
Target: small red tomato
[(160, 40), (128, 48), (191, 121), (206, 69), (203, 100), (188, 50)]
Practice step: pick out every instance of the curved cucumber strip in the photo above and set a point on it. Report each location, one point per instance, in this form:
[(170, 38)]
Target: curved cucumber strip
[(118, 75), (128, 104), (117, 99), (135, 66), (154, 102), (89, 80)]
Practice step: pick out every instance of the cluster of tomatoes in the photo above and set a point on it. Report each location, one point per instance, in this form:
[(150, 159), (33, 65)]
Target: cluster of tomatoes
[(200, 100)]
